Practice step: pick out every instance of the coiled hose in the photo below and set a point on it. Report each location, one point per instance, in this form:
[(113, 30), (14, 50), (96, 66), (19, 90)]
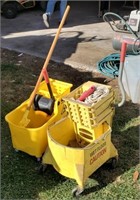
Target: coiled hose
[(109, 66)]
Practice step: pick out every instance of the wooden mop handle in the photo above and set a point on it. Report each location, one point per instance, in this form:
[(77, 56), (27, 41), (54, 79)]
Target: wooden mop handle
[(48, 57)]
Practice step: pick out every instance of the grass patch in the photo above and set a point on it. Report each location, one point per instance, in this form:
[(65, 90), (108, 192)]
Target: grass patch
[(19, 177)]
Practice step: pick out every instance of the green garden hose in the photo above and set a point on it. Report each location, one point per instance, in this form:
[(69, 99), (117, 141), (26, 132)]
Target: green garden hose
[(109, 66)]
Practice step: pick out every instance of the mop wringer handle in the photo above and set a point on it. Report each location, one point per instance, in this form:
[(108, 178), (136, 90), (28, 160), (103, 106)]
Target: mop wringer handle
[(85, 94)]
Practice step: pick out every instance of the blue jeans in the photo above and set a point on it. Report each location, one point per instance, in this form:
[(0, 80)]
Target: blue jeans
[(51, 5)]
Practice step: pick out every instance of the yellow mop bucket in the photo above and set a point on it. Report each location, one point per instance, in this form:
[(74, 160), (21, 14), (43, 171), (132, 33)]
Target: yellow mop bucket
[(89, 114), (33, 138), (70, 159)]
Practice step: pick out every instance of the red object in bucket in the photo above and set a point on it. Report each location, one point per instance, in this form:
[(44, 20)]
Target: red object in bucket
[(85, 94)]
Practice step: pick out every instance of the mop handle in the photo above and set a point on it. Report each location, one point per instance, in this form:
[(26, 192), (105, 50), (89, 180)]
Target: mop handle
[(123, 51), (122, 59), (48, 58)]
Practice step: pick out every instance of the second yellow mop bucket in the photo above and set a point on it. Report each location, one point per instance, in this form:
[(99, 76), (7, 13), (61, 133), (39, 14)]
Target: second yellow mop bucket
[(72, 160), (33, 138)]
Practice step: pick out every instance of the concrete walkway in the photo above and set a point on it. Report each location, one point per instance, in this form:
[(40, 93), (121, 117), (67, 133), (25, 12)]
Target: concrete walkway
[(82, 43)]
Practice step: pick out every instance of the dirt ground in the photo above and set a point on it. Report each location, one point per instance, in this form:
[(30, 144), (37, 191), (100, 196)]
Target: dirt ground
[(57, 71)]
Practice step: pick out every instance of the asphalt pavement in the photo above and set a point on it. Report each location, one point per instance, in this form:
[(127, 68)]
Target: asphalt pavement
[(83, 41)]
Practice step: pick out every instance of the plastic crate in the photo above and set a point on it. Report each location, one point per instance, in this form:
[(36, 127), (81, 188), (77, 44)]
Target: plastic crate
[(33, 138), (86, 114)]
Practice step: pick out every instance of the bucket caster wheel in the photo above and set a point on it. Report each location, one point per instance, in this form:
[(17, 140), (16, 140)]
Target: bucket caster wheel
[(42, 168), (16, 150), (38, 159), (77, 191), (114, 162)]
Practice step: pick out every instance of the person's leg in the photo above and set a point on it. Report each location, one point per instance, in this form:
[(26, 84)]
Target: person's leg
[(50, 7), (49, 12), (63, 5)]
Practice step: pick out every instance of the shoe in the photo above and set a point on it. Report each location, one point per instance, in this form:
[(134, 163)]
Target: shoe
[(46, 20)]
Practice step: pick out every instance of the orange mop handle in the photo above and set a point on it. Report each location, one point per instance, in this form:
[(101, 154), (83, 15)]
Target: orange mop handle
[(48, 57)]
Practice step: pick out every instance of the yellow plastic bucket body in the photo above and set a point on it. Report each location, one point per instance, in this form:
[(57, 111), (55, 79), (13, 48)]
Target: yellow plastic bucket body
[(73, 161), (33, 138), (85, 114)]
